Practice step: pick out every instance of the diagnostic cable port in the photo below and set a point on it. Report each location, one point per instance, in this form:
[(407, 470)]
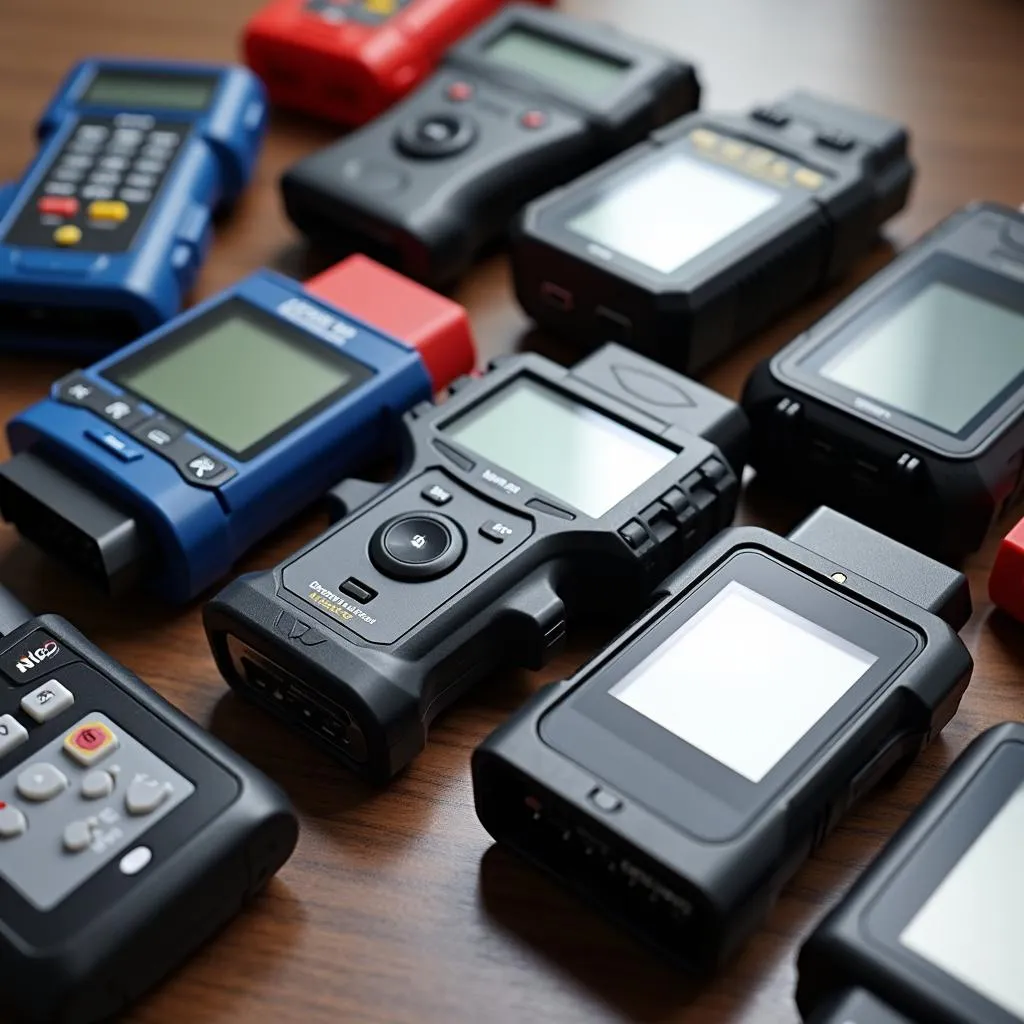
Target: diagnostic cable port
[(71, 522)]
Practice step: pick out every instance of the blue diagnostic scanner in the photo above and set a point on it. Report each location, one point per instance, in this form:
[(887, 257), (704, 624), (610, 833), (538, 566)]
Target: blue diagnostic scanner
[(103, 236), (165, 462)]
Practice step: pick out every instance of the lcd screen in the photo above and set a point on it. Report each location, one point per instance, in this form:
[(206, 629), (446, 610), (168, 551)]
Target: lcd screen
[(744, 680), (972, 926), (942, 357), (139, 90), (239, 378), (564, 447), (581, 71), (673, 211)]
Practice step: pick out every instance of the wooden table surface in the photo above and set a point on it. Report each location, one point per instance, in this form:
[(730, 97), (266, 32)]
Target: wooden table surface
[(395, 907)]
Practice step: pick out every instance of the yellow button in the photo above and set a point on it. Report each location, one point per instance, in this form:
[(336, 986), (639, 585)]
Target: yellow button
[(385, 7), (779, 169), (733, 150), (703, 139), (112, 209), (67, 234), (806, 178), (90, 742), (760, 158)]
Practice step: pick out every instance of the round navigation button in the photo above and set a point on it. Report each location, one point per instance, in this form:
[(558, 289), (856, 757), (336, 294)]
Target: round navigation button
[(417, 546), (437, 135), (77, 836), (41, 782)]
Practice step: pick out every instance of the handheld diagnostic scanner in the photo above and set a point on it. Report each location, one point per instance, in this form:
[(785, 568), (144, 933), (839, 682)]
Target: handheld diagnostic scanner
[(102, 237), (128, 835), (534, 497), (680, 779), (690, 242), (164, 463), (349, 61), (904, 406), (932, 932), (531, 99)]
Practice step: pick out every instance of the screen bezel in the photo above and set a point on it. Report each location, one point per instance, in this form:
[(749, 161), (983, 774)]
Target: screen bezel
[(445, 427), (211, 79), (803, 367), (525, 491), (925, 867), (671, 777), (553, 222), (180, 337)]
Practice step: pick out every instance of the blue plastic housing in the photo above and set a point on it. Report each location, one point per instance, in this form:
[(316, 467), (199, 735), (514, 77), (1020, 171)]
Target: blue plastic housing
[(197, 534), (150, 280)]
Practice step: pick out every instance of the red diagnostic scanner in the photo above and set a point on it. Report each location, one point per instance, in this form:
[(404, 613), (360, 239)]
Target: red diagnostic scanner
[(1006, 584), (349, 60)]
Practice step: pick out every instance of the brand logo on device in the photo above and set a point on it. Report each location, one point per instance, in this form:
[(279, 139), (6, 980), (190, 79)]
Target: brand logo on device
[(871, 408), (314, 319), (508, 486), (27, 662)]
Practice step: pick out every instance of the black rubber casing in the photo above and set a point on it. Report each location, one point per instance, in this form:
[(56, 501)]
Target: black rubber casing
[(696, 900), (932, 490), (115, 936), (848, 950), (430, 214), (365, 679), (697, 313)]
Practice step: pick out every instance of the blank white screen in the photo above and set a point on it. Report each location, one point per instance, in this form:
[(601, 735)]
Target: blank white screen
[(972, 926), (673, 211), (744, 680)]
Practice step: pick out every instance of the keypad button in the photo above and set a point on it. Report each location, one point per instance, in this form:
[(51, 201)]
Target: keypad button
[(123, 412), (416, 540), (136, 180), (162, 138), (357, 591), (92, 132), (59, 188), (90, 742), (12, 734), (496, 531), (135, 195), (116, 446), (417, 546), (47, 701), (67, 235), (149, 166), (145, 795), (128, 136), (436, 494), (806, 178), (69, 174), (12, 822), (97, 785), (158, 432), (38, 654), (97, 192), (41, 782), (134, 861), (77, 836), (105, 178), (80, 160), (59, 206), (114, 163), (115, 211), (79, 390)]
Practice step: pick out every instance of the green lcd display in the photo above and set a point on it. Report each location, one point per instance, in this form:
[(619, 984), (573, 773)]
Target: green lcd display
[(141, 90), (570, 450), (238, 377), (568, 66)]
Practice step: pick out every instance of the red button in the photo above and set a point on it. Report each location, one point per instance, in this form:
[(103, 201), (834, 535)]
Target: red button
[(533, 119), (459, 92), (62, 206), (89, 738)]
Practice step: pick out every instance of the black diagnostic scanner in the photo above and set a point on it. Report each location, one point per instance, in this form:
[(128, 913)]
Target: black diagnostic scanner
[(681, 778), (904, 406), (933, 932), (534, 496), (128, 835), (532, 99), (712, 228)]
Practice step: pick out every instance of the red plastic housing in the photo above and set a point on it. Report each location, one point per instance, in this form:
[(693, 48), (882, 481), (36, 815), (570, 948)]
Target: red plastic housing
[(1006, 584), (315, 57), (436, 326)]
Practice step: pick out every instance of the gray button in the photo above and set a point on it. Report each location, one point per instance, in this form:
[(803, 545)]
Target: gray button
[(76, 160), (605, 801), (128, 136), (135, 195), (132, 863), (114, 163), (140, 180), (41, 782), (91, 131), (77, 836), (12, 823), (46, 701), (149, 166), (145, 795), (68, 174), (169, 139), (59, 188), (97, 785), (104, 178), (97, 192), (12, 734)]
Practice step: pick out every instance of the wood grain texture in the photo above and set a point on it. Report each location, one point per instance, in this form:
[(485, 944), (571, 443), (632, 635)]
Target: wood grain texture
[(395, 908)]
